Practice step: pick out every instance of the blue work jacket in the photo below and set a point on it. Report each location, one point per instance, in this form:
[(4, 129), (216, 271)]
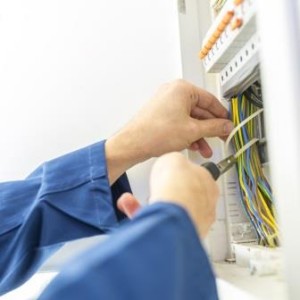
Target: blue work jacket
[(157, 255)]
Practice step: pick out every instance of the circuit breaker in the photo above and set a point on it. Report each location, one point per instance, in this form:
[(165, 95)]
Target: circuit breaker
[(222, 44)]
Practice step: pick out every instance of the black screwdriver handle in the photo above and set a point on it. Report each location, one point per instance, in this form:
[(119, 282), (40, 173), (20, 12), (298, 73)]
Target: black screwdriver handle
[(213, 169)]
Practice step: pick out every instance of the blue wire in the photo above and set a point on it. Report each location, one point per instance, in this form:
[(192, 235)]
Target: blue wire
[(251, 183), (250, 190)]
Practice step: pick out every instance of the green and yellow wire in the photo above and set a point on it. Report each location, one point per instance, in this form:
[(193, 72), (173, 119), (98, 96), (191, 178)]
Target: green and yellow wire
[(257, 197)]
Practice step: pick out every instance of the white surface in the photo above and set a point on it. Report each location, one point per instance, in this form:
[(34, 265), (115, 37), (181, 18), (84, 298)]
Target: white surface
[(72, 72), (258, 259), (281, 76), (235, 282)]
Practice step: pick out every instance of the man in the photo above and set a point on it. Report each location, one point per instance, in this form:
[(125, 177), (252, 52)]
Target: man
[(157, 254)]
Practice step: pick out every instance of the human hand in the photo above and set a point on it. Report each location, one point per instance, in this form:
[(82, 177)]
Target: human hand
[(176, 180), (179, 116), (128, 204)]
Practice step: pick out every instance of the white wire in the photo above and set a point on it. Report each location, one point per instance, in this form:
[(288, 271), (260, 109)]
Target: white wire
[(235, 130), (245, 147)]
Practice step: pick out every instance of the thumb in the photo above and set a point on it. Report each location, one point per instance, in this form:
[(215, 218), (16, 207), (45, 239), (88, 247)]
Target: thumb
[(128, 204), (211, 128)]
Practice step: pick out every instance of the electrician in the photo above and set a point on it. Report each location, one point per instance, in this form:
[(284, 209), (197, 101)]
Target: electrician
[(156, 255)]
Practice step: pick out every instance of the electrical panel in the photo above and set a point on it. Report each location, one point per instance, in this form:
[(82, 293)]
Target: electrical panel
[(244, 243), (230, 49)]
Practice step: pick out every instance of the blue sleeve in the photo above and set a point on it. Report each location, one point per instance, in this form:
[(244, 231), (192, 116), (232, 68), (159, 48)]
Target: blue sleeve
[(156, 256), (65, 199)]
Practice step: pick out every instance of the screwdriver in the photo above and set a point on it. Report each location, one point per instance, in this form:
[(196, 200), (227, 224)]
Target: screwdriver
[(216, 170)]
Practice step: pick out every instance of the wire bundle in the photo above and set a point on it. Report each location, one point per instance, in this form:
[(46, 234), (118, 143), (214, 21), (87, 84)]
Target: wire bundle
[(256, 192)]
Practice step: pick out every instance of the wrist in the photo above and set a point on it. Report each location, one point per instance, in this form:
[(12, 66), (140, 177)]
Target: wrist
[(123, 151)]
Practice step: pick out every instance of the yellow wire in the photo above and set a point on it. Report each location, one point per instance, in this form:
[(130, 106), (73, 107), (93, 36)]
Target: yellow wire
[(261, 203), (272, 220)]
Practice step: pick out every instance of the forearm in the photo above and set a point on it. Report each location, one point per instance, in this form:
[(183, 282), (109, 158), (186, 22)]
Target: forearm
[(124, 150), (65, 199), (161, 240)]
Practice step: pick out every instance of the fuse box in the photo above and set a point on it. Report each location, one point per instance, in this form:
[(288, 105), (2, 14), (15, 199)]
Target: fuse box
[(222, 46)]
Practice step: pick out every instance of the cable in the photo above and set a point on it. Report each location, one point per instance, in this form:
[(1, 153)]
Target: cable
[(250, 95), (256, 193), (236, 129), (245, 147), (254, 94)]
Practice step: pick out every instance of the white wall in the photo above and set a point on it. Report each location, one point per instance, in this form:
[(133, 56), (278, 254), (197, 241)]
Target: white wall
[(73, 71)]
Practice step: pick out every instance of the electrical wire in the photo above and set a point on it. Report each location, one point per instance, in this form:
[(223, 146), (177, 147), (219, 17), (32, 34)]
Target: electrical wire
[(252, 97), (245, 147), (237, 128), (254, 94), (256, 193)]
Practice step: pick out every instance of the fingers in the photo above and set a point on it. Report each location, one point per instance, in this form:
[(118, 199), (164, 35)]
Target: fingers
[(201, 114), (203, 147), (205, 100), (210, 128), (128, 204)]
